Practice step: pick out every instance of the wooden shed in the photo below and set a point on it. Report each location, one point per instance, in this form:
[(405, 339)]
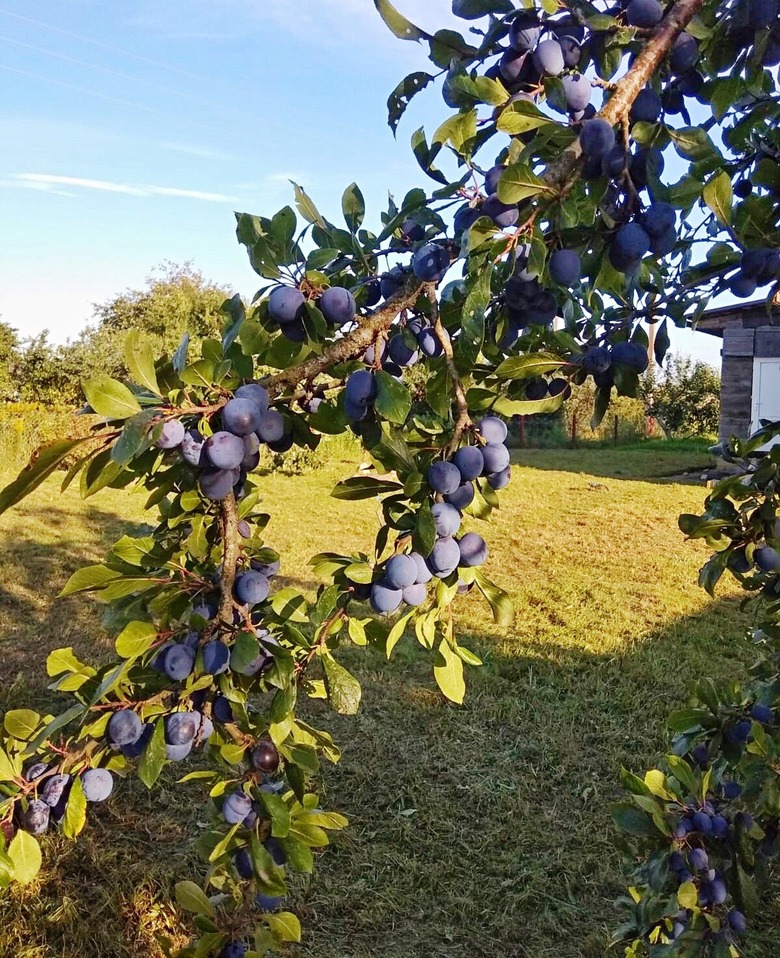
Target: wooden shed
[(750, 376)]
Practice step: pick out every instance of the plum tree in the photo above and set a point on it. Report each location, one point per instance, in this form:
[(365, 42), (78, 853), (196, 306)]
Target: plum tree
[(552, 240)]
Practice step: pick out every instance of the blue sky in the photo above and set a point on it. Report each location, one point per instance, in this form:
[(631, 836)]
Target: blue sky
[(132, 131)]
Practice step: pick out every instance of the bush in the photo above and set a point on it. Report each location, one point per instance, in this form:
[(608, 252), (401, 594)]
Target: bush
[(701, 828), (685, 398), (24, 426)]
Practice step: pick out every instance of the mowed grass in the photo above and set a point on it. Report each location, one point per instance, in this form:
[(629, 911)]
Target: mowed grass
[(480, 830)]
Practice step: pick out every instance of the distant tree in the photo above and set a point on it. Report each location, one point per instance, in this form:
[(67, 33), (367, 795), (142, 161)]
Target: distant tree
[(175, 300), (9, 354), (685, 397)]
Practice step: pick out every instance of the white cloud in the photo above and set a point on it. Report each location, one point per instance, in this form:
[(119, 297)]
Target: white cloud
[(46, 181)]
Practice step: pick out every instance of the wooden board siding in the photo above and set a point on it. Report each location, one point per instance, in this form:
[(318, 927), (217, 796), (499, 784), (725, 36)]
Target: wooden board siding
[(767, 343), (738, 342), (736, 395)]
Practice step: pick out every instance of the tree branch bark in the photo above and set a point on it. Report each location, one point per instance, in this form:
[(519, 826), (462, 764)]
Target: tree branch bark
[(463, 420), (228, 521), (353, 344)]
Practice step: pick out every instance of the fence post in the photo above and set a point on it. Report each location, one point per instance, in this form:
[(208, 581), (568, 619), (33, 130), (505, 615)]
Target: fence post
[(521, 429), (615, 430), (574, 428)]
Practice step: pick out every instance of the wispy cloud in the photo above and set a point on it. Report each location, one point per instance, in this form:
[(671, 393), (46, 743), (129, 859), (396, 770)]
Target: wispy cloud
[(200, 151), (48, 181)]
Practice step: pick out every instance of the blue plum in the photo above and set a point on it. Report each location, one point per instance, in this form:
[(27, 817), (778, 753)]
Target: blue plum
[(500, 480), (171, 435), (337, 305), (444, 477), (496, 457), (566, 267), (97, 783), (272, 426), (251, 588), (430, 263), (597, 137), (286, 304), (224, 450), (255, 393), (240, 417), (384, 598), (55, 789), (415, 595), (178, 662), (360, 388), (644, 13), (444, 557), (35, 818), (181, 727), (401, 571), (124, 727), (216, 657), (193, 448), (446, 518), (423, 574), (462, 497), (548, 58), (236, 807), (492, 429), (473, 550), (469, 461)]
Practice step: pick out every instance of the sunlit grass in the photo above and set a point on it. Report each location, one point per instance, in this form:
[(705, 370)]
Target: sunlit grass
[(482, 830)]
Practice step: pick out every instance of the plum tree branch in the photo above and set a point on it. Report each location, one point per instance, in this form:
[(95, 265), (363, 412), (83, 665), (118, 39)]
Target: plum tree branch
[(561, 173), (228, 521), (463, 420), (351, 345)]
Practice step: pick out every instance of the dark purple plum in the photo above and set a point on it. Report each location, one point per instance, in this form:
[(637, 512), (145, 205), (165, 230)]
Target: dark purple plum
[(265, 757), (644, 13), (360, 388), (240, 417), (548, 58), (566, 267), (684, 53), (217, 484), (647, 107), (401, 571), (337, 306), (470, 462), (216, 657), (430, 263), (502, 214), (286, 304), (124, 727), (473, 550), (596, 138), (444, 477)]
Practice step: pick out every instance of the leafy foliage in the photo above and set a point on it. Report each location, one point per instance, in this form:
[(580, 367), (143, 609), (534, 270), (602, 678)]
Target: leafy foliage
[(568, 245)]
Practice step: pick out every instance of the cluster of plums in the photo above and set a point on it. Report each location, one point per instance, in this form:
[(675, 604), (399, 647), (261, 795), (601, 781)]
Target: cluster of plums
[(51, 793), (757, 268), (600, 361), (287, 307), (225, 457), (404, 577)]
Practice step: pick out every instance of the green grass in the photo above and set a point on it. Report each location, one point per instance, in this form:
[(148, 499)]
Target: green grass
[(481, 830)]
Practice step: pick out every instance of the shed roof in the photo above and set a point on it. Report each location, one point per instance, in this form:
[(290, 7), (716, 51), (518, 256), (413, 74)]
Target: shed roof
[(739, 316)]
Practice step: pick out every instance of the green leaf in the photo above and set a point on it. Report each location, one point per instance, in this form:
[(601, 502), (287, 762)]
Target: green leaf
[(140, 361), (25, 852), (110, 398), (521, 117), (529, 366), (75, 817), (63, 660), (343, 688), (681, 771), (306, 207), (687, 720), (474, 9), (153, 759), (398, 24), (393, 400), (284, 924), (134, 437), (364, 487), (687, 896), (448, 672), (21, 723), (693, 143), (718, 195), (88, 579), (191, 897), (500, 603), (9, 770), (518, 183), (353, 206), (424, 530), (298, 855), (402, 96), (43, 463), (396, 633), (279, 813), (135, 639), (633, 820)]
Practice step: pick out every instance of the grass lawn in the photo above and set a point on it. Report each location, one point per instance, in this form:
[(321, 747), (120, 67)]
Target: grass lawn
[(476, 831)]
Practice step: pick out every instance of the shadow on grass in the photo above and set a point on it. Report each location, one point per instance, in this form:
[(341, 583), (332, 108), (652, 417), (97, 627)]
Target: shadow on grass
[(480, 830), (651, 463)]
